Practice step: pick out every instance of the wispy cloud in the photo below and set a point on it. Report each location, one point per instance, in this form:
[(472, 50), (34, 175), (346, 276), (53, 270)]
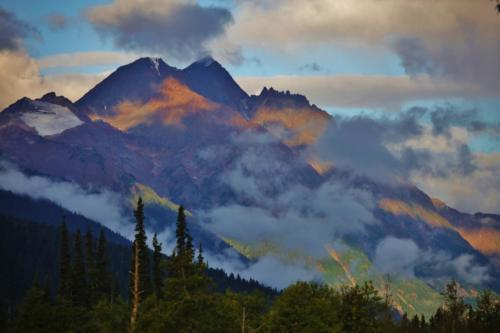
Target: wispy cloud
[(102, 206)]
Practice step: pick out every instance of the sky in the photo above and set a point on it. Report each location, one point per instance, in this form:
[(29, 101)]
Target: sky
[(354, 58)]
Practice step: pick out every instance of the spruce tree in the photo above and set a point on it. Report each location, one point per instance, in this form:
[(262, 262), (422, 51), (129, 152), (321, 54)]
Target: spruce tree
[(102, 275), (90, 261), (140, 282), (35, 312), (200, 260), (180, 231), (157, 267), (78, 281), (183, 261), (64, 291)]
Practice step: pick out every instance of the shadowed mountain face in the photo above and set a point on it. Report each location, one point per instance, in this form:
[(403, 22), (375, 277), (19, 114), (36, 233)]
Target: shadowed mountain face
[(194, 137)]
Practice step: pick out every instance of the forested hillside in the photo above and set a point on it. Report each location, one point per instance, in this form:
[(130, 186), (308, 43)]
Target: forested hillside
[(82, 283)]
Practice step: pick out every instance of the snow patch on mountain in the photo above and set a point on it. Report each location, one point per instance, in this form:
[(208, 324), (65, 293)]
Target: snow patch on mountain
[(50, 119), (156, 64)]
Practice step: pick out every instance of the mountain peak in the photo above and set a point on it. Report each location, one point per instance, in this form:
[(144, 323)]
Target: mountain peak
[(210, 79), (206, 61), (273, 96), (52, 98), (134, 81)]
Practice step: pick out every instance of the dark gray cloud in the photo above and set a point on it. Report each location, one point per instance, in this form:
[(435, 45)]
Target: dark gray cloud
[(468, 59), (179, 30), (389, 149), (13, 30), (361, 144), (415, 58), (57, 21), (311, 67), (443, 118)]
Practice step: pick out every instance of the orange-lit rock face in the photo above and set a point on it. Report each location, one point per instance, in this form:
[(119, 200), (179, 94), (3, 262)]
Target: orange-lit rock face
[(485, 240), (319, 166), (176, 102), (397, 207), (305, 125)]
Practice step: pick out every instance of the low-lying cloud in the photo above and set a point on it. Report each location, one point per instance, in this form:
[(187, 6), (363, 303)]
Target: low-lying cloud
[(400, 258), (103, 206), (278, 219)]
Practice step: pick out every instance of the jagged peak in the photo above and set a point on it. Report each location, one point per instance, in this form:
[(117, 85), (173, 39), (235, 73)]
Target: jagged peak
[(273, 93), (48, 95)]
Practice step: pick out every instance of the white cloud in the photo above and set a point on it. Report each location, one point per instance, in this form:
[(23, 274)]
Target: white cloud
[(396, 256), (479, 191), (20, 76), (102, 206)]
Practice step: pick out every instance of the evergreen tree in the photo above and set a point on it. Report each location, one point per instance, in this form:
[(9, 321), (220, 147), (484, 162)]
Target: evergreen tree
[(64, 291), (78, 281), (158, 275), (455, 307), (180, 231), (103, 279), (184, 252), (200, 263), (90, 261), (140, 279), (35, 312)]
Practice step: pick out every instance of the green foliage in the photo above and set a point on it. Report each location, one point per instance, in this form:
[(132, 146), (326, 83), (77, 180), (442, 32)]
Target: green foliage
[(362, 309), (102, 276), (140, 246), (305, 307), (107, 317), (35, 312), (158, 274), (189, 301), (64, 264), (79, 290)]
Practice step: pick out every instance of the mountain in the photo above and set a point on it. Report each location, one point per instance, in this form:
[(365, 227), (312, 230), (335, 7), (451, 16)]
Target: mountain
[(208, 78), (193, 137), (29, 243), (290, 117), (136, 81)]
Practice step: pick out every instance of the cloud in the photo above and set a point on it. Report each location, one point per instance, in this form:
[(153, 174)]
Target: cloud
[(268, 269), (360, 144), (103, 206), (81, 59), (401, 257), (468, 27), (478, 191), (311, 67), (57, 21), (278, 274), (469, 271), (396, 256), (13, 31), (20, 76), (386, 93), (271, 210), (179, 29), (428, 147)]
